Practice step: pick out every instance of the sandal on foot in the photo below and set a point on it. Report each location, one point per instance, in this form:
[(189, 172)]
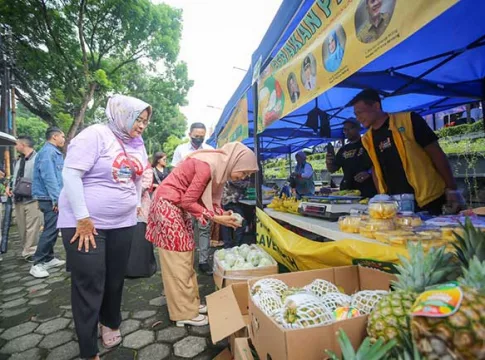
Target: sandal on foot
[(110, 337), (200, 320), (202, 309)]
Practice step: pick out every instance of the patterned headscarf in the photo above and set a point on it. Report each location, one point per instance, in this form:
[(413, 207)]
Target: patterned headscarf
[(122, 111)]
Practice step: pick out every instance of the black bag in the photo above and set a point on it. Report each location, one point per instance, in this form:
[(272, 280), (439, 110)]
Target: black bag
[(142, 262), (23, 188)]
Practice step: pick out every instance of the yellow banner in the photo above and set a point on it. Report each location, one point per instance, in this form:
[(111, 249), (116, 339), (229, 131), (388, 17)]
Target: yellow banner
[(236, 128), (298, 253), (335, 39)]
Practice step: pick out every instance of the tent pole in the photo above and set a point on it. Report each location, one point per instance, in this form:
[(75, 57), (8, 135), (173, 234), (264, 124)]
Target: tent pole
[(259, 175), (434, 121), (483, 102), (289, 159)]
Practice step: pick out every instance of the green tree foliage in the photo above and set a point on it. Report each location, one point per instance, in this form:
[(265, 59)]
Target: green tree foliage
[(34, 127), (171, 144), (70, 54)]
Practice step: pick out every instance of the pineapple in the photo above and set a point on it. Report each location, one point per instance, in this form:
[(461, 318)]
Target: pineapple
[(269, 302), (274, 285), (305, 310), (415, 274), (336, 300), (365, 300), (366, 351), (462, 334), (292, 291), (406, 348), (320, 287)]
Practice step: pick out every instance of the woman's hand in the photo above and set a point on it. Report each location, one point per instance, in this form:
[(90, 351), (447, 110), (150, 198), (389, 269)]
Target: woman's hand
[(229, 213), (85, 231), (227, 220)]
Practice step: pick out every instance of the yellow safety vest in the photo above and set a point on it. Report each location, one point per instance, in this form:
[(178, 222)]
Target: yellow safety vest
[(420, 172)]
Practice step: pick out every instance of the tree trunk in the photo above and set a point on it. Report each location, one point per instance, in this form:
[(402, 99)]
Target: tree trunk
[(79, 118)]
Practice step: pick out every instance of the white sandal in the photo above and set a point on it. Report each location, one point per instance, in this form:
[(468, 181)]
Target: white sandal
[(200, 320)]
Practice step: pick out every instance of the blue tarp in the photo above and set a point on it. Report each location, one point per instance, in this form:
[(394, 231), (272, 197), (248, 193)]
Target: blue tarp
[(439, 67)]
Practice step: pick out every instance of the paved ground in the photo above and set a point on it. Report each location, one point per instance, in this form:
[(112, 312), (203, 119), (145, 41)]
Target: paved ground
[(36, 318)]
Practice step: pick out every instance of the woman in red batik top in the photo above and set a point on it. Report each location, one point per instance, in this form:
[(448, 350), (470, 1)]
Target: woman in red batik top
[(193, 189)]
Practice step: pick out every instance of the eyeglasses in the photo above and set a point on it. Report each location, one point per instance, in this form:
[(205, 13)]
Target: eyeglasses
[(142, 121)]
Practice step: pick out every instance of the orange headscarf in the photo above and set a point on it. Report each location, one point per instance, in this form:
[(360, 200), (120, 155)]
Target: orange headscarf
[(231, 157)]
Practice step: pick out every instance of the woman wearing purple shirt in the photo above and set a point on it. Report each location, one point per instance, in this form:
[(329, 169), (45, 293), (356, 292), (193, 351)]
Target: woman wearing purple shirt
[(97, 217)]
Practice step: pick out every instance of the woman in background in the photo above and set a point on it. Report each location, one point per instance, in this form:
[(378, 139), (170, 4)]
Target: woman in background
[(159, 165)]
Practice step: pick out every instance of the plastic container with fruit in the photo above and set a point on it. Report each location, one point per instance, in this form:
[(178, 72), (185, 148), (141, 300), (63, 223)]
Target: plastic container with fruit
[(383, 209), (448, 233), (383, 236), (408, 221), (370, 227), (349, 224)]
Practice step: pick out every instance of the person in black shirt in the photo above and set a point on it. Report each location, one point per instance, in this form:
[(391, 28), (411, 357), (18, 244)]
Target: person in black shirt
[(354, 161), (395, 138), (159, 164)]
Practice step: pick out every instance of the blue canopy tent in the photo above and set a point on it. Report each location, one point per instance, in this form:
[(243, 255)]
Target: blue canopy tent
[(439, 67)]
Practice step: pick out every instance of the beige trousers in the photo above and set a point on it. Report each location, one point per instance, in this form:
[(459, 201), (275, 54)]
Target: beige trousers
[(29, 223), (180, 284)]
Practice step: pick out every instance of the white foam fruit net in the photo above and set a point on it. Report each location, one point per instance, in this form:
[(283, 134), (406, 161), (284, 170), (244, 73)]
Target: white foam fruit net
[(335, 300), (305, 310), (321, 287), (270, 303), (273, 285), (365, 300)]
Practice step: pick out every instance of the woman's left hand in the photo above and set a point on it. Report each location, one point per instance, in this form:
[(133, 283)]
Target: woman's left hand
[(138, 211), (85, 232), (229, 213)]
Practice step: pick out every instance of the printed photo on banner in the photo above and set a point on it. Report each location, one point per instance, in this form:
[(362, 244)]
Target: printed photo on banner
[(293, 88), (333, 48), (372, 18), (309, 72), (271, 100)]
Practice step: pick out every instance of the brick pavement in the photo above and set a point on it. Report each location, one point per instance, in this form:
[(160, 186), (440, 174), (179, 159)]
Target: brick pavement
[(36, 318)]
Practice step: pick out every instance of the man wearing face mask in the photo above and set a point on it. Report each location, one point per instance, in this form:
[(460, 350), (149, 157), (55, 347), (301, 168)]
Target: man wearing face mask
[(202, 232)]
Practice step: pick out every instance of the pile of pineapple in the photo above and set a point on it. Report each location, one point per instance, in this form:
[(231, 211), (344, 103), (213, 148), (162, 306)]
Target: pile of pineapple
[(317, 304), (456, 335)]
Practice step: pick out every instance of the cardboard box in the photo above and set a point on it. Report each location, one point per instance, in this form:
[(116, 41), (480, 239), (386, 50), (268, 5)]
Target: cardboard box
[(242, 351), (224, 355), (224, 278), (273, 342), (228, 313)]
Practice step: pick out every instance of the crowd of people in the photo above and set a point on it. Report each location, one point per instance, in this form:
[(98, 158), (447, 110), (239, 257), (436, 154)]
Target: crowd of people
[(107, 200), (112, 205), (398, 154)]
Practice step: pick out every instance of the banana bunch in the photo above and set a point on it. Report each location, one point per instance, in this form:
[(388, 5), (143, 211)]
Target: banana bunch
[(292, 205), (285, 204)]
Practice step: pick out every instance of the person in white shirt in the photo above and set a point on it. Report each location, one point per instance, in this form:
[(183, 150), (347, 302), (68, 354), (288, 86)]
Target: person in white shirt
[(475, 112), (202, 232), (197, 136)]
